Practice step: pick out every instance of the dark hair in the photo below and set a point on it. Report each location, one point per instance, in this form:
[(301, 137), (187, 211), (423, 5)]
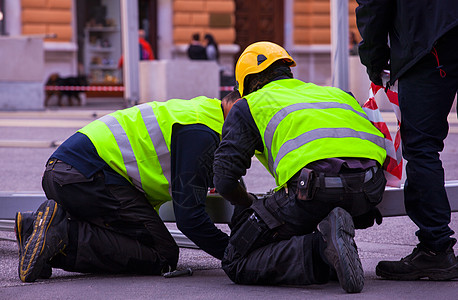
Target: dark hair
[(196, 36), (211, 41), (210, 38), (232, 97), (278, 70)]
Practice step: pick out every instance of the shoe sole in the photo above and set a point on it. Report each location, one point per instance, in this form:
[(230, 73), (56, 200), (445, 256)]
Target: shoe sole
[(341, 233), (431, 274), (18, 230), (30, 260)]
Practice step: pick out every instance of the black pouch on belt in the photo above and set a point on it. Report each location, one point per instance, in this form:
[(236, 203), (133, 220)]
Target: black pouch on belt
[(353, 182), (247, 235), (306, 184)]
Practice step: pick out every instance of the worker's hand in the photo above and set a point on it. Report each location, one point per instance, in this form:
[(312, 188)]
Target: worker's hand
[(252, 197), (380, 77), (375, 77)]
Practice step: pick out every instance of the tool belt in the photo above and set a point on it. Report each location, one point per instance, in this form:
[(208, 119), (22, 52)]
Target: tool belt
[(357, 192), (309, 181), (341, 181)]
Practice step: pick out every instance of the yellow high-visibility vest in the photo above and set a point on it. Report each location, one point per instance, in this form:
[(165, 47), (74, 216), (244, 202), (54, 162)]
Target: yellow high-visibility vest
[(301, 122), (135, 142)]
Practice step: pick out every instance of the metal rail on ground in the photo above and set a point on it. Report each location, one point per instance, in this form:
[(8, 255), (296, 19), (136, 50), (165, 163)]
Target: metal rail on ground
[(220, 210)]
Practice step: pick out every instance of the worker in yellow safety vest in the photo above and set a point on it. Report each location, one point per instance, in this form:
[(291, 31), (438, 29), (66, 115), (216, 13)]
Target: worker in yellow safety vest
[(326, 159), (105, 185)]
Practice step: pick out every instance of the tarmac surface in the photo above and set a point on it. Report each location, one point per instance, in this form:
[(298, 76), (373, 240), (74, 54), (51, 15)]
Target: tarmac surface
[(27, 139)]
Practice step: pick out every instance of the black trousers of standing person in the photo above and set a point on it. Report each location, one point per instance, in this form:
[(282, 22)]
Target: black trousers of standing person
[(275, 240), (426, 94), (112, 228)]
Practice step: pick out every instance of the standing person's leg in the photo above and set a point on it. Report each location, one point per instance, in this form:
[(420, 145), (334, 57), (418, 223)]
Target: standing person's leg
[(423, 129), (113, 213), (425, 100)]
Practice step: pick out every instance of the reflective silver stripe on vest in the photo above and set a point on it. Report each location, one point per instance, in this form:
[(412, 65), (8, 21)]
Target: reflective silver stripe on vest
[(155, 133), (282, 113), (127, 153), (321, 133)]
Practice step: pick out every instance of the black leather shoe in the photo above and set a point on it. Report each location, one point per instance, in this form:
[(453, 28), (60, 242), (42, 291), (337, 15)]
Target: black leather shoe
[(421, 263), (48, 238), (23, 229), (341, 252)]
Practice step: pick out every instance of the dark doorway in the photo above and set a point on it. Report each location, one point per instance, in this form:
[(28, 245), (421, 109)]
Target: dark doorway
[(147, 20), (2, 18), (258, 20), (98, 60)]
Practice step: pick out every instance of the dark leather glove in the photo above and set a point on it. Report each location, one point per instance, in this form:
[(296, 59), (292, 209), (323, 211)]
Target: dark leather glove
[(375, 74), (375, 77), (367, 220)]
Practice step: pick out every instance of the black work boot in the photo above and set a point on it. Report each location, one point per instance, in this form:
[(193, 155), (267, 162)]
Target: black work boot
[(48, 238), (341, 252), (421, 263), (23, 229)]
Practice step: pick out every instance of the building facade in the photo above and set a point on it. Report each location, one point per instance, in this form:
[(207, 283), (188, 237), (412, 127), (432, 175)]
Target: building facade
[(83, 36)]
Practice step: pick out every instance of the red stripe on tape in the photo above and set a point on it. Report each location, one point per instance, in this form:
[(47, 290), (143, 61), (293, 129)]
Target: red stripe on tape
[(93, 88)]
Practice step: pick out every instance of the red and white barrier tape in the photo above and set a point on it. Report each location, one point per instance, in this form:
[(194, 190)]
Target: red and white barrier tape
[(102, 88), (393, 162), (93, 88), (226, 88)]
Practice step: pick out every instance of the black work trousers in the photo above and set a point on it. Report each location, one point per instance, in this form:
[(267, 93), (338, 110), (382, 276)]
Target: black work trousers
[(275, 240), (112, 228), (426, 94)]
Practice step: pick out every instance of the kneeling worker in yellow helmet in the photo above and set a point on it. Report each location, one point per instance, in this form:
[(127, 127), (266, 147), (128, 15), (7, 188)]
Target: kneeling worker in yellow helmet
[(326, 158)]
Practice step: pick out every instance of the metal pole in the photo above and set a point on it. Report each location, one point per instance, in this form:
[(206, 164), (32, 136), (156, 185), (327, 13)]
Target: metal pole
[(339, 44), (165, 29), (288, 31), (129, 28), (12, 17)]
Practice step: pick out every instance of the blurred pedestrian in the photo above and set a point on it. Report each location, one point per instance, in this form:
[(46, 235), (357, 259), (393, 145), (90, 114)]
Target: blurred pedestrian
[(146, 52), (196, 50), (418, 42), (211, 48)]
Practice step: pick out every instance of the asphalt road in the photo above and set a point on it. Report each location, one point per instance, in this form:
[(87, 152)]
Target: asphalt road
[(25, 139)]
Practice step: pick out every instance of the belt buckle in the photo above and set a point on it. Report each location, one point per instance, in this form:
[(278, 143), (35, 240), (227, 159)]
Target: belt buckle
[(52, 161)]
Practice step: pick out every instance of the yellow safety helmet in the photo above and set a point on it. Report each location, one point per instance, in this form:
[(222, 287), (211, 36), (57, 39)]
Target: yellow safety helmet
[(256, 58)]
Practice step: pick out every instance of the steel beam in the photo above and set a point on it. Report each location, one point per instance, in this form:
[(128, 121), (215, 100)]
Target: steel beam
[(220, 210)]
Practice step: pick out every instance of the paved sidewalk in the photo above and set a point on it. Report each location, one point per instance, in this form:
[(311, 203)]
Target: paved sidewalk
[(391, 240)]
